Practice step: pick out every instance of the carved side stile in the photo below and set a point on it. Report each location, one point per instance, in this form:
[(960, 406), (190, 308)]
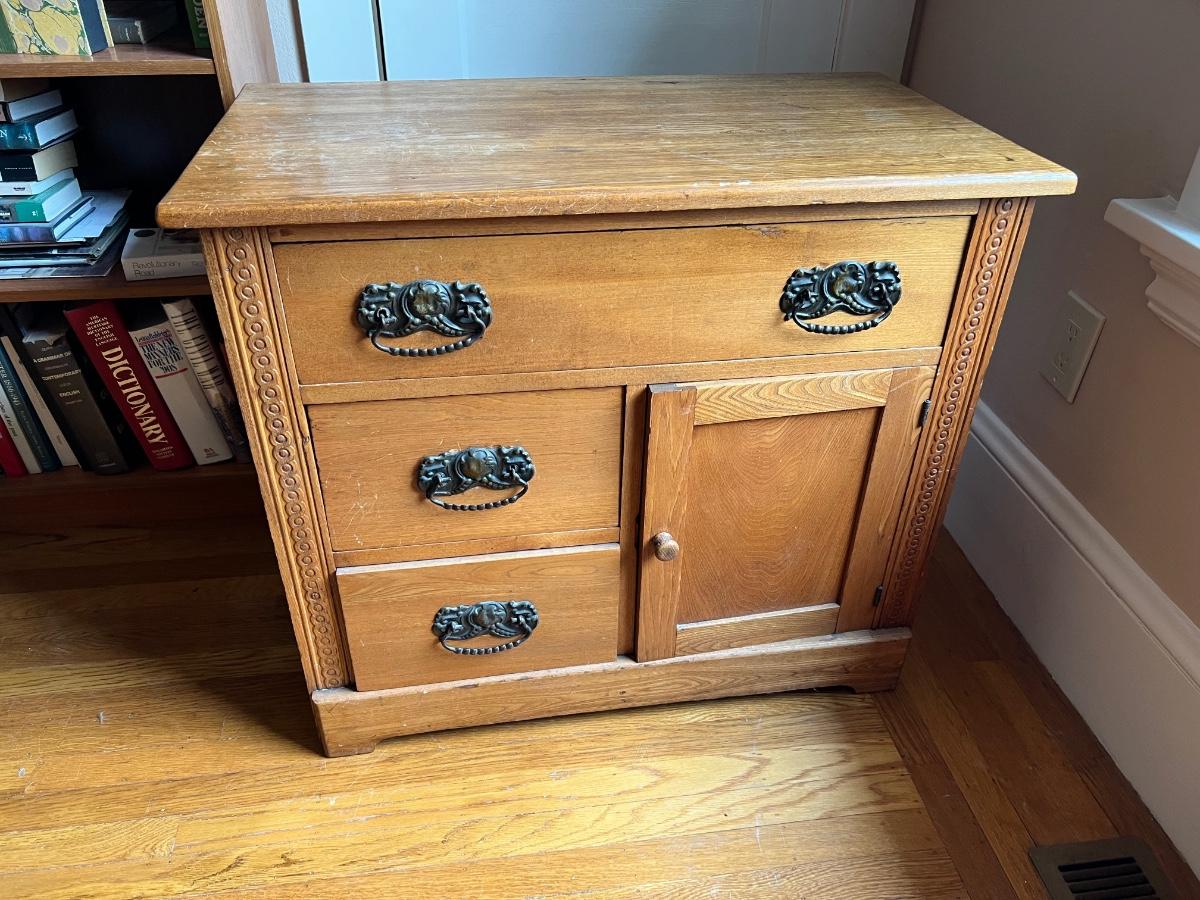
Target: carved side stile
[(992, 254), (236, 265)]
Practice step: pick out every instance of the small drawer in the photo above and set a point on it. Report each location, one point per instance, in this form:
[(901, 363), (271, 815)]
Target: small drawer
[(379, 461), (546, 302), (558, 607)]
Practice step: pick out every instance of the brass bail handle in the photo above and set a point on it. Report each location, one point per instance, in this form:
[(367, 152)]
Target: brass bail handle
[(666, 548)]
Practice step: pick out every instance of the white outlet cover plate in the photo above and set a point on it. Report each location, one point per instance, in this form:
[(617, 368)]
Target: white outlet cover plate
[(1073, 337)]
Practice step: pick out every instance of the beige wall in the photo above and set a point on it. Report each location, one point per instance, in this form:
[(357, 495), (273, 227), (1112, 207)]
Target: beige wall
[(1110, 89)]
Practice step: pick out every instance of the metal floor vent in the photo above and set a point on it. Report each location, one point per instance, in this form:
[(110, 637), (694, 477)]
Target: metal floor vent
[(1117, 869)]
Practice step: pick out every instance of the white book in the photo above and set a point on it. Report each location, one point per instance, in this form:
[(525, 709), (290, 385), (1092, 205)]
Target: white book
[(9, 417), (162, 253), (59, 440), (206, 363), (156, 343), (32, 105), (28, 188)]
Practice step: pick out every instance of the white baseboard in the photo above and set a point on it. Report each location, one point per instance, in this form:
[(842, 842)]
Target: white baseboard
[(1125, 655)]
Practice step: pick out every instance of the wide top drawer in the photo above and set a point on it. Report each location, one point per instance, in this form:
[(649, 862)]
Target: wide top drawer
[(547, 302)]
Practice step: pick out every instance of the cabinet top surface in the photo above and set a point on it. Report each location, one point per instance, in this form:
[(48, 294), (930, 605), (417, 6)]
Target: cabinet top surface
[(392, 151)]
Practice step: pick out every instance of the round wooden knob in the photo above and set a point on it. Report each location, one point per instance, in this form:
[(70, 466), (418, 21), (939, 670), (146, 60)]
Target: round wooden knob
[(666, 547)]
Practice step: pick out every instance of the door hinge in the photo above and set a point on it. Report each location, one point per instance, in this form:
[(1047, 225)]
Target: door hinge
[(878, 596), (923, 415)]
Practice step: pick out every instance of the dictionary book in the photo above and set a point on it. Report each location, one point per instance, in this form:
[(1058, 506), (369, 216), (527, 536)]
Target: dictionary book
[(107, 343)]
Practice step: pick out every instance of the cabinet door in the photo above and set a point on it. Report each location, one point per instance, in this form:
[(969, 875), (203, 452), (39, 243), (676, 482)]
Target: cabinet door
[(770, 504)]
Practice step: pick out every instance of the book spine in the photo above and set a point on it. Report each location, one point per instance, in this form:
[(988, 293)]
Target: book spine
[(206, 364), (10, 459), (56, 425), (198, 24), (146, 268), (110, 349), (8, 417), (62, 375), (33, 209), (54, 434), (35, 135), (25, 417), (25, 210), (16, 135), (95, 25), (167, 363), (32, 188), (27, 234)]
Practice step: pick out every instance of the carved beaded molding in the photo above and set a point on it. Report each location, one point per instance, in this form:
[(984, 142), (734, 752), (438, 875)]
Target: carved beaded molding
[(280, 450), (995, 250)]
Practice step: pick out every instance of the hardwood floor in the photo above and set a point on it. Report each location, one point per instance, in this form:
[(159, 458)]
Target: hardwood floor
[(155, 740)]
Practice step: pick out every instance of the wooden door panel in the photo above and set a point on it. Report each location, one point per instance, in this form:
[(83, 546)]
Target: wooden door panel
[(770, 508), (782, 494)]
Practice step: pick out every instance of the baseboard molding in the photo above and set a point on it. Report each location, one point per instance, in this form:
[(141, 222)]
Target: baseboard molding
[(1125, 655)]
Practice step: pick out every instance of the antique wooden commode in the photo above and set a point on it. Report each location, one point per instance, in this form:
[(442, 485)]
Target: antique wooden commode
[(575, 394)]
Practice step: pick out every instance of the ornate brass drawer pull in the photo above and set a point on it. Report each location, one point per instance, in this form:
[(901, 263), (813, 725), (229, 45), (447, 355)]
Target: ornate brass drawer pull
[(455, 471), (862, 289), (510, 619), (455, 310)]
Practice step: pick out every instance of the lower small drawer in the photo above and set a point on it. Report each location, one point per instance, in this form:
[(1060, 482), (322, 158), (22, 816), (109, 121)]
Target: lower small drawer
[(390, 613)]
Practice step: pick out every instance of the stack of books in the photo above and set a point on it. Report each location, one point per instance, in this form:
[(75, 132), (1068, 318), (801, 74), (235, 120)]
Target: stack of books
[(103, 388), (49, 225)]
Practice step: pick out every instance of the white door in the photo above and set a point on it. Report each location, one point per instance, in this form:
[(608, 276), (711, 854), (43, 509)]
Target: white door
[(356, 40)]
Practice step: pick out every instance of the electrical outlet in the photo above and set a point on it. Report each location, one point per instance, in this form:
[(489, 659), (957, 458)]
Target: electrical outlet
[(1073, 337)]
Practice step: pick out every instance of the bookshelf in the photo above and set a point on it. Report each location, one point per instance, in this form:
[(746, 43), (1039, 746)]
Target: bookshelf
[(170, 57), (143, 113), (112, 286)]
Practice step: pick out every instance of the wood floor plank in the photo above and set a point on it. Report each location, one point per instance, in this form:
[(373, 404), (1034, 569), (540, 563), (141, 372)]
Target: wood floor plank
[(1029, 764), (992, 810), (256, 766), (537, 872), (977, 864), (221, 596), (914, 876)]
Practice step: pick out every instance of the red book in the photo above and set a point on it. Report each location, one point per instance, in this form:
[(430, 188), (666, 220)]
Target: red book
[(108, 345), (10, 459)]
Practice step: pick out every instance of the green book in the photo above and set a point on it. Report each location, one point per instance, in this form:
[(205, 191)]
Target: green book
[(44, 207), (8, 43), (197, 22)]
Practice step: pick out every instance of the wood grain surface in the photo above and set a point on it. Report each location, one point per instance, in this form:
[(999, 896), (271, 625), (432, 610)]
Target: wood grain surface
[(155, 741), (766, 215), (617, 298), (388, 612), (243, 293), (354, 722), (670, 413), (771, 506), (447, 386), (989, 268), (763, 398), (887, 479), (368, 455), (294, 154), (757, 628)]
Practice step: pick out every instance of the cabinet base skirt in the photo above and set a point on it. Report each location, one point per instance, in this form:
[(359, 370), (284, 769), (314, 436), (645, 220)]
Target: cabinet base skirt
[(354, 722)]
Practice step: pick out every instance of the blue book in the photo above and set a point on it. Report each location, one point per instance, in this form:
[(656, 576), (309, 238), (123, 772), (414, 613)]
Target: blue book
[(27, 420)]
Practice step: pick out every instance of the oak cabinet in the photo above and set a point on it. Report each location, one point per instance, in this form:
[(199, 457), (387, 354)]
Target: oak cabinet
[(579, 394)]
